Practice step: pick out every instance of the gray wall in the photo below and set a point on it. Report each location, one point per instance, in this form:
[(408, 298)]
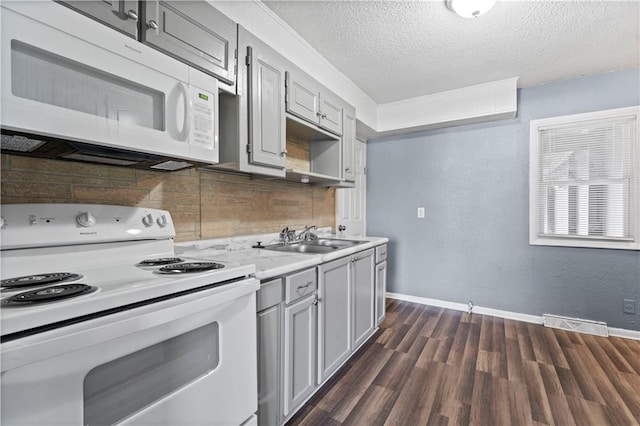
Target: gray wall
[(474, 243)]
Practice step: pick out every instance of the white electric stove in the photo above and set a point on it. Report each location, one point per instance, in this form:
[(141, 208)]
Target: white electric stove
[(94, 301)]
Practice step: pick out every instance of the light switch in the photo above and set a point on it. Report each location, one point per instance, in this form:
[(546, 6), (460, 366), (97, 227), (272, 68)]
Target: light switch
[(420, 212)]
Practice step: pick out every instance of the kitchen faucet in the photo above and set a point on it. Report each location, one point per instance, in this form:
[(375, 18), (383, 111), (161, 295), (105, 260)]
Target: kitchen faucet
[(307, 234), (286, 236)]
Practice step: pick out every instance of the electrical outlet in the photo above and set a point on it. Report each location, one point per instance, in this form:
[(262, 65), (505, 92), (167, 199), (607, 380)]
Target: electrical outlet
[(629, 306), (420, 212)]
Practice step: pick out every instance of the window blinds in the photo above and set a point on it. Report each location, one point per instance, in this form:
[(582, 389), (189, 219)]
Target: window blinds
[(586, 179)]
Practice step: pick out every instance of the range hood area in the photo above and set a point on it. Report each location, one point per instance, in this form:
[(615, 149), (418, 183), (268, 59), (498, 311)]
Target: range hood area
[(20, 143)]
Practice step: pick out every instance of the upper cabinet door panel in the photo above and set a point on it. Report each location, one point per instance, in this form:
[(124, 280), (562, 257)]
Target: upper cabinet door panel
[(121, 15), (194, 32), (348, 141), (302, 97), (331, 113), (266, 117)]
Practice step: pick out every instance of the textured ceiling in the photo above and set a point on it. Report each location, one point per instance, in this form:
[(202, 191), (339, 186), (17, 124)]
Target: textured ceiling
[(396, 50)]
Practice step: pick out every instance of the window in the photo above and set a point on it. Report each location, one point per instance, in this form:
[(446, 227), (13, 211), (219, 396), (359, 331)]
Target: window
[(584, 180)]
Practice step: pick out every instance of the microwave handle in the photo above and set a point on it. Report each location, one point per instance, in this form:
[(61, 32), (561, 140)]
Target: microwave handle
[(188, 111)]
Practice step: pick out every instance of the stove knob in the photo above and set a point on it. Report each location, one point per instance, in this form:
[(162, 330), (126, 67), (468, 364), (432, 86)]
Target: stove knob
[(147, 220), (162, 221), (86, 219)]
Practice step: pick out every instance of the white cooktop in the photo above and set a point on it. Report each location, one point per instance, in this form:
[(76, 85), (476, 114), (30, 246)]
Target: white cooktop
[(102, 258)]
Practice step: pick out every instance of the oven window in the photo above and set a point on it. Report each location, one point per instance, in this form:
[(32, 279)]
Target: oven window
[(44, 77), (124, 386)]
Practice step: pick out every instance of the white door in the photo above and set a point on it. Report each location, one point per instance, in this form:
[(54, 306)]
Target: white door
[(351, 202)]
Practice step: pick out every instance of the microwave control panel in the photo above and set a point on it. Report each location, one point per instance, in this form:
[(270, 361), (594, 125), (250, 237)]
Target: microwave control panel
[(203, 130)]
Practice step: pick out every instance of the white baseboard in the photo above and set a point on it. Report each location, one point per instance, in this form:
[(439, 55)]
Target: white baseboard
[(535, 319), (624, 333)]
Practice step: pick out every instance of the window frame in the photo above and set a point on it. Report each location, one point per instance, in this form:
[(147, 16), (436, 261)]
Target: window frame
[(535, 237)]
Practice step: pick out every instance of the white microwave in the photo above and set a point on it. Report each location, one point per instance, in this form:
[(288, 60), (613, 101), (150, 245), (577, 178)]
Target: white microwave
[(77, 90)]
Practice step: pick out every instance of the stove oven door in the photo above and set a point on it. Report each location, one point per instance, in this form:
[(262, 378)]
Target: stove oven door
[(187, 360)]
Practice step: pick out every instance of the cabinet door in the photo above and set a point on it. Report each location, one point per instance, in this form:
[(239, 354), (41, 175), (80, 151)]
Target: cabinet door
[(121, 15), (381, 291), (266, 96), (302, 97), (331, 113), (348, 141), (334, 316), (299, 352), (194, 32), (269, 344), (363, 297)]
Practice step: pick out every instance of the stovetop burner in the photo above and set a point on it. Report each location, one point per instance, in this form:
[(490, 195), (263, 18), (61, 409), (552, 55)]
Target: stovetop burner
[(48, 294), (39, 280), (160, 261), (189, 267)]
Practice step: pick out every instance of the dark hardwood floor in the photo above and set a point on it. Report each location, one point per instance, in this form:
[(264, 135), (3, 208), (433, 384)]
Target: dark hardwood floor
[(437, 366)]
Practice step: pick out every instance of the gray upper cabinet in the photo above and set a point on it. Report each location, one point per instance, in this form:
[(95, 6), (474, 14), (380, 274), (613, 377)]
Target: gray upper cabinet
[(253, 134), (120, 15), (302, 96), (331, 112), (195, 32), (310, 101), (266, 97), (348, 143)]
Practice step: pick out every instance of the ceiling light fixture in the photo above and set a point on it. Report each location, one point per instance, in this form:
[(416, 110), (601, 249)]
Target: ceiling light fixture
[(470, 8)]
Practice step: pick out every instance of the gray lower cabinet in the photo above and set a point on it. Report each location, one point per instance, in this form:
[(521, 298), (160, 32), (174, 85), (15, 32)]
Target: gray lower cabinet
[(121, 15), (363, 296), (269, 323), (309, 323), (192, 31), (334, 316), (381, 283), (299, 352), (381, 289)]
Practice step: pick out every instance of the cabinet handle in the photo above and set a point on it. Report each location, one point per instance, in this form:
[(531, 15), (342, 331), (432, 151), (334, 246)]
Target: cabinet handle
[(324, 115), (315, 301), (153, 24), (284, 153), (347, 169), (132, 15), (304, 286), (319, 113)]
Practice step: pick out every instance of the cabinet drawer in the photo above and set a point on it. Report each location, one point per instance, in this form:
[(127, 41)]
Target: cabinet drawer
[(269, 294), (381, 253), (300, 284)]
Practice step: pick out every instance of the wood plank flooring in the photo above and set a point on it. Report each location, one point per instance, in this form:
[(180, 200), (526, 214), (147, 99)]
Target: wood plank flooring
[(434, 366)]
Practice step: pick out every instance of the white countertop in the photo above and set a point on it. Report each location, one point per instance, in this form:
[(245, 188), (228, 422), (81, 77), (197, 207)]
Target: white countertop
[(269, 263)]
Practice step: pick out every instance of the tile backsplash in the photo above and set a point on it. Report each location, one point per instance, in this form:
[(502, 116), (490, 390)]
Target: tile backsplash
[(204, 204)]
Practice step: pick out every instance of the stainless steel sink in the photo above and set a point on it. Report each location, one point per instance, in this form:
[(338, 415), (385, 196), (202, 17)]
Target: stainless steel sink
[(333, 242), (302, 248), (321, 245)]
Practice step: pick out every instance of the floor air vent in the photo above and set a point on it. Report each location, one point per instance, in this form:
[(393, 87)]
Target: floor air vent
[(575, 324)]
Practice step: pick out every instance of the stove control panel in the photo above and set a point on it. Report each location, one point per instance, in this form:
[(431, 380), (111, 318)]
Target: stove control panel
[(45, 225)]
